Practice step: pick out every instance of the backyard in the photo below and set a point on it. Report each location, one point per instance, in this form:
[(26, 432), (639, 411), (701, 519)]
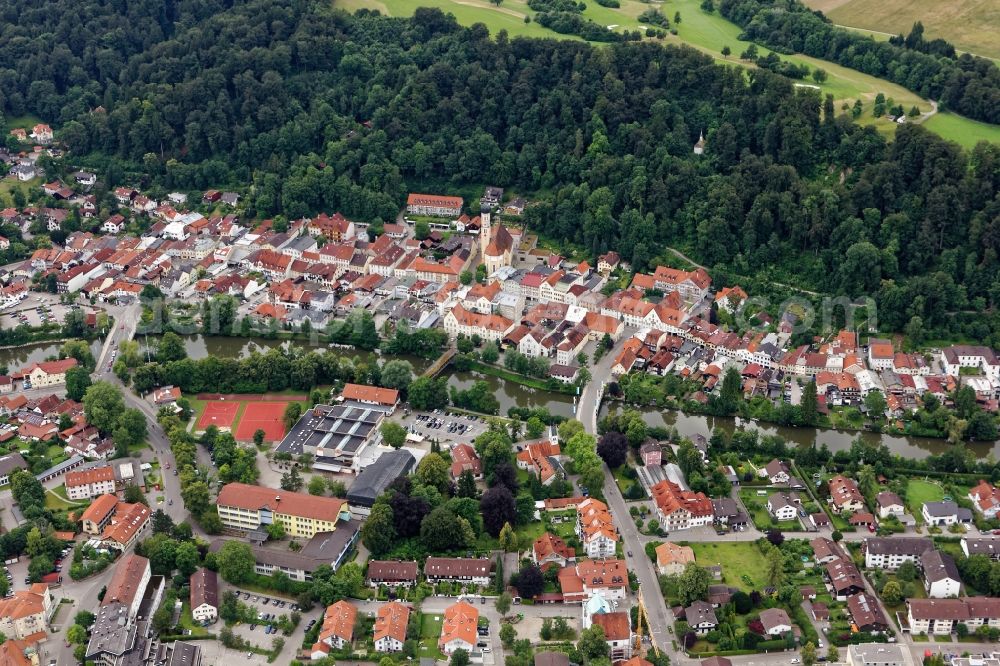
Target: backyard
[(742, 563), (756, 506), (430, 632), (918, 492)]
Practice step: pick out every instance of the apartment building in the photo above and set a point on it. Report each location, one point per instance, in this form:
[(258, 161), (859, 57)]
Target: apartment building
[(244, 508)]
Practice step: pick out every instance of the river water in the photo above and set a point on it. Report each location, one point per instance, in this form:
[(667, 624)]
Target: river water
[(515, 395), (837, 440), (16, 358)]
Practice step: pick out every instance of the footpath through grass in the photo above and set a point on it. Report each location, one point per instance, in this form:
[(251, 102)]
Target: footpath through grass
[(707, 32)]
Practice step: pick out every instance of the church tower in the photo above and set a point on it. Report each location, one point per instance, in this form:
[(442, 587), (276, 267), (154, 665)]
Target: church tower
[(485, 230)]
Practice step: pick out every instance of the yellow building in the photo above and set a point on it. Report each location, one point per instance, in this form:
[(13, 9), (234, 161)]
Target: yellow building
[(244, 508)]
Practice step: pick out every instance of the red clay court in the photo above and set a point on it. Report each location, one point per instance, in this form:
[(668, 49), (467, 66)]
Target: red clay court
[(266, 416), (218, 413)]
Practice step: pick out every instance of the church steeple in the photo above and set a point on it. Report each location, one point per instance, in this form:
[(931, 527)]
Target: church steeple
[(485, 230)]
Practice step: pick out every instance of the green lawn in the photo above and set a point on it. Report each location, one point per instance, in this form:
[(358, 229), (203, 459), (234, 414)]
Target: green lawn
[(26, 122), (757, 507), (430, 632), (56, 500), (738, 560), (918, 492), (187, 622), (962, 131), (707, 32)]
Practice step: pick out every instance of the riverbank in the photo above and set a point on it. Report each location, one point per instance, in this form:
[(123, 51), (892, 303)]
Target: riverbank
[(689, 425), (536, 383)]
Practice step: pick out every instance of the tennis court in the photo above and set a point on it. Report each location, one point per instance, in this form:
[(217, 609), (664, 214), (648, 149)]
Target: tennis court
[(266, 416), (218, 413)]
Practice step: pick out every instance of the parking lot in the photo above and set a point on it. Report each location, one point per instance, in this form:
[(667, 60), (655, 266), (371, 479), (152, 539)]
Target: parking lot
[(35, 310), (269, 608), (445, 427)]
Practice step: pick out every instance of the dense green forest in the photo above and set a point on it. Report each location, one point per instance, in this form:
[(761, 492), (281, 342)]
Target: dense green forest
[(268, 95), (967, 84)]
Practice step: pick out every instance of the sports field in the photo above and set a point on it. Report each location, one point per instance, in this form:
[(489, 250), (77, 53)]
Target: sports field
[(219, 413), (266, 416)]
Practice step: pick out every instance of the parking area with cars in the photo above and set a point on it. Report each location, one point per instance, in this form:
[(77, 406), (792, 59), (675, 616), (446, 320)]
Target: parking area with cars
[(269, 609), (34, 311), (444, 426)]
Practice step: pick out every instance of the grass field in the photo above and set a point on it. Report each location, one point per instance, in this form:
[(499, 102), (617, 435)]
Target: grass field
[(26, 122), (56, 499), (971, 25), (705, 32), (430, 631), (918, 492), (740, 561), (762, 519)]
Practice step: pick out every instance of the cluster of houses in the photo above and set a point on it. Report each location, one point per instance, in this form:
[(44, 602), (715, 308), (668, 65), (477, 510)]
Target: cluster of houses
[(544, 306)]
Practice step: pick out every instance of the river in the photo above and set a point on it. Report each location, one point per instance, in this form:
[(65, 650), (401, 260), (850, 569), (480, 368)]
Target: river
[(514, 395), (16, 358), (689, 425)]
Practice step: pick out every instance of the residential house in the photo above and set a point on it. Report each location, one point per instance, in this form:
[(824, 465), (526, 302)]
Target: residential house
[(651, 453), (98, 515), (390, 627), (204, 596), (985, 499), (337, 630), (26, 612), (941, 577), (9, 464), (890, 553), (464, 458), (460, 628), (671, 559), (776, 472), (889, 504), (945, 513), (596, 529), (679, 509), (845, 579), (988, 546), (470, 571), (776, 621), (845, 495), (542, 458), (783, 506), (548, 550), (701, 618), (392, 573), (866, 614), (617, 632), (90, 482), (940, 616)]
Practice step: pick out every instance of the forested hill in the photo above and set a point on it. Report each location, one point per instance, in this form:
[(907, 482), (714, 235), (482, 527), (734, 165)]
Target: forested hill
[(272, 92), (52, 52), (966, 83)]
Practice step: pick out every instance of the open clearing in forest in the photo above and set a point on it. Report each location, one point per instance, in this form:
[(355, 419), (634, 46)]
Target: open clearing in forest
[(707, 32)]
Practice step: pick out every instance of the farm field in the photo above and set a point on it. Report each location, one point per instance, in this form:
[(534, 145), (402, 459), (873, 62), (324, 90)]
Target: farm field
[(707, 33), (971, 25)]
